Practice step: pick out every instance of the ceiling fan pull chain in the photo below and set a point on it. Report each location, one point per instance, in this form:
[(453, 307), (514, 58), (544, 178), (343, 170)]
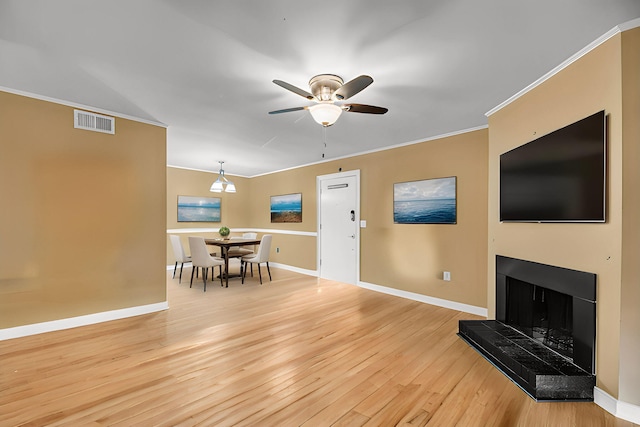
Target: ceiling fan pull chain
[(324, 139)]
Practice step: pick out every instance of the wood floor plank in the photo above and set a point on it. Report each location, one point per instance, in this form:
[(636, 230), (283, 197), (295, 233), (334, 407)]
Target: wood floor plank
[(295, 351)]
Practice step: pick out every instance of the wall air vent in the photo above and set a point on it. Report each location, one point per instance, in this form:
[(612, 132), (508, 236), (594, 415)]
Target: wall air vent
[(95, 122)]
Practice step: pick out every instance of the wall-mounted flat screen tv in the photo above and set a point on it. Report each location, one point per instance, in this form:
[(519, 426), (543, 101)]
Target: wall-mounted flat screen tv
[(559, 177)]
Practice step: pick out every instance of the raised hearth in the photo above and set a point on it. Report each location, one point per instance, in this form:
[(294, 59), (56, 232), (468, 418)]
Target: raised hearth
[(543, 337), (539, 371)]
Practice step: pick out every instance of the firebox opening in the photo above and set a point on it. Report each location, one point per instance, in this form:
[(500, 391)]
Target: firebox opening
[(542, 314)]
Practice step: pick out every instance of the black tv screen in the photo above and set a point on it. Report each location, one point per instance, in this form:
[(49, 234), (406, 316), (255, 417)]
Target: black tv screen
[(559, 177)]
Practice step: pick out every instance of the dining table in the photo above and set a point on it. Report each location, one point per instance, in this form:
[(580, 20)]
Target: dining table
[(225, 245)]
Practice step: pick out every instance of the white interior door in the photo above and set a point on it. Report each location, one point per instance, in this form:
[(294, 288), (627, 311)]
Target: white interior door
[(338, 225)]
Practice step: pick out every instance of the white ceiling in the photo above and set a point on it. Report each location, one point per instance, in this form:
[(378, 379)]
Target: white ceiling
[(205, 68)]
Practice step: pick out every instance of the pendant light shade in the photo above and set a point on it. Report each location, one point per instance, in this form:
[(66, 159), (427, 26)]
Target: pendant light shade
[(216, 187), (231, 188), (222, 183), (325, 114)]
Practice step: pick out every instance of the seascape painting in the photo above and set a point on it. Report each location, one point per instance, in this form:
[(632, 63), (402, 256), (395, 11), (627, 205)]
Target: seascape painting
[(431, 201), (198, 209), (287, 208)]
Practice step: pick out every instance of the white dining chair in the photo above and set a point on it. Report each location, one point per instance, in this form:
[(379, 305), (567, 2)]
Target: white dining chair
[(262, 256), (180, 256), (238, 251), (200, 258)]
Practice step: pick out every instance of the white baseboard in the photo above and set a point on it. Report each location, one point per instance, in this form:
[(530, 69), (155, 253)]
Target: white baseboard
[(619, 409), (605, 400), (453, 305), (313, 273), (74, 322)]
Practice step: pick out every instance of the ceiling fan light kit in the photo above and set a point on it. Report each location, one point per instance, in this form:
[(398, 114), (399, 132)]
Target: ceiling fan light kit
[(325, 114), (326, 89)]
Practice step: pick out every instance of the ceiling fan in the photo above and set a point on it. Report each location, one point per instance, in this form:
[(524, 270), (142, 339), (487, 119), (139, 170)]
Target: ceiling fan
[(326, 89)]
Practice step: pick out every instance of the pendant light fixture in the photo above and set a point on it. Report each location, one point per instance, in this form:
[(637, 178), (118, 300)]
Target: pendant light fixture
[(222, 183)]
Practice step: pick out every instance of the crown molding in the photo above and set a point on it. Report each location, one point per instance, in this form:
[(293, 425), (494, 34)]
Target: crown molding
[(80, 106), (600, 40), (376, 150)]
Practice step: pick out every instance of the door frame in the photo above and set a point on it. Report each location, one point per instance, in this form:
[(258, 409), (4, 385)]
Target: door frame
[(353, 173)]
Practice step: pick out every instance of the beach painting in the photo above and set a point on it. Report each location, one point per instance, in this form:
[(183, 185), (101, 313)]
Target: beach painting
[(198, 209), (286, 208), (430, 201)]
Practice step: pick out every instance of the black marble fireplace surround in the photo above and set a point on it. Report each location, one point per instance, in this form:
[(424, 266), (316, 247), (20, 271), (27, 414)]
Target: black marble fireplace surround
[(543, 337)]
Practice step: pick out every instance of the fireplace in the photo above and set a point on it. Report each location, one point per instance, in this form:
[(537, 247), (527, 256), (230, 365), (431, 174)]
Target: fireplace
[(543, 337)]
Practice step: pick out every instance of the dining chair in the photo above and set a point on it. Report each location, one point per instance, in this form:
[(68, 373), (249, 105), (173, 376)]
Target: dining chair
[(259, 257), (200, 258), (238, 251), (178, 253)]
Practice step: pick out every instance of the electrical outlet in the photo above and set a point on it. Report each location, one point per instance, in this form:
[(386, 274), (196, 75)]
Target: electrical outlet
[(277, 250), (446, 276)]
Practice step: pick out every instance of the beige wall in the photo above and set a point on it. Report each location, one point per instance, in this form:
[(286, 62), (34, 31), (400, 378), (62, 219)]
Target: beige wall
[(405, 257), (83, 215), (588, 85), (630, 291)]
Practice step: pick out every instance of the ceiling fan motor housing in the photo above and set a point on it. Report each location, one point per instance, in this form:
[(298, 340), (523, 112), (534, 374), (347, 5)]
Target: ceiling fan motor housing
[(323, 86)]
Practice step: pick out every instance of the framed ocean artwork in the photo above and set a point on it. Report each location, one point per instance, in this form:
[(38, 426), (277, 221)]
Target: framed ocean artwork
[(430, 201), (286, 208), (198, 209)]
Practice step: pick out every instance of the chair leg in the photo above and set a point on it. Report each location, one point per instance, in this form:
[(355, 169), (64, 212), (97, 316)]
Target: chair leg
[(192, 271), (221, 283), (180, 278), (245, 273), (174, 270), (260, 273), (269, 270), (204, 278)]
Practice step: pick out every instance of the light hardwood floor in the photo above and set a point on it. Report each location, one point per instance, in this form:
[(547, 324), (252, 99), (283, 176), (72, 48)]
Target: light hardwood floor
[(296, 351)]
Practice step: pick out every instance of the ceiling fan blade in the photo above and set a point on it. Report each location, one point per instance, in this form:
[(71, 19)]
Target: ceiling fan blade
[(294, 89), (352, 87), (362, 108), (288, 110)]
